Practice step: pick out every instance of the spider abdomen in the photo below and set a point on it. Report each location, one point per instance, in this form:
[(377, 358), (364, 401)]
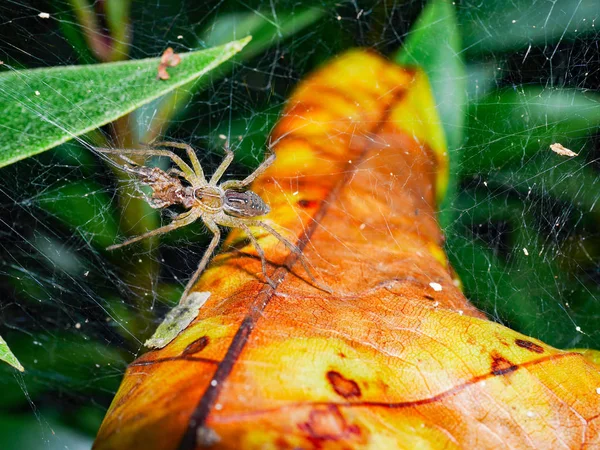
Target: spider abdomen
[(244, 204)]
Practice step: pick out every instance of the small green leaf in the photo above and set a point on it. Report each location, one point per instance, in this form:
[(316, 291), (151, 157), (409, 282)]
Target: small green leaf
[(46, 107), (177, 320), (509, 126), (8, 357)]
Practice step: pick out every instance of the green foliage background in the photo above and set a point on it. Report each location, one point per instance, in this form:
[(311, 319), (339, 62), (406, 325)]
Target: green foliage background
[(509, 78)]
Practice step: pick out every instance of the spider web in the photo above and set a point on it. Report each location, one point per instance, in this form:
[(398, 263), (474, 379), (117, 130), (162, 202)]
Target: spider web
[(523, 233)]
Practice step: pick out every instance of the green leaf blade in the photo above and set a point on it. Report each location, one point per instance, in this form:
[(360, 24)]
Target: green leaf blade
[(8, 357), (435, 44), (43, 108)]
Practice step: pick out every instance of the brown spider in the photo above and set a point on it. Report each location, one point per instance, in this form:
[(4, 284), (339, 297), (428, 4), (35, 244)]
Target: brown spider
[(228, 204)]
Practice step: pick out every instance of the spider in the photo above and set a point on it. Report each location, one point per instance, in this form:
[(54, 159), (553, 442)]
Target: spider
[(229, 204)]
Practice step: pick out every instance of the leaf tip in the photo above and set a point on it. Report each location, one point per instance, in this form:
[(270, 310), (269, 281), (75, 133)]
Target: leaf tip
[(8, 356), (241, 43)]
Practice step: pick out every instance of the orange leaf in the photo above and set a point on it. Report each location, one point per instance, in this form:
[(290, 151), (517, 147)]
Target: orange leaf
[(396, 357)]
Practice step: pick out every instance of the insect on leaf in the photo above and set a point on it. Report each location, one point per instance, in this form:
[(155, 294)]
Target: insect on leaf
[(395, 356)]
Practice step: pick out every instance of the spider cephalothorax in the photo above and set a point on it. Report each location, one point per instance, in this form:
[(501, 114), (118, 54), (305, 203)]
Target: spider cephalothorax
[(230, 204), (244, 204)]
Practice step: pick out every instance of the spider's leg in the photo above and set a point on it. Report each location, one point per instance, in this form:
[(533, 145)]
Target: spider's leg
[(190, 175), (177, 223), (205, 259), (293, 248), (235, 184), (176, 172), (223, 167), (191, 155), (260, 252)]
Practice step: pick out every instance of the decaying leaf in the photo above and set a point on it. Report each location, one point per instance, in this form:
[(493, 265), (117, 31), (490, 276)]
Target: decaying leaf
[(395, 357), (177, 320), (563, 151)]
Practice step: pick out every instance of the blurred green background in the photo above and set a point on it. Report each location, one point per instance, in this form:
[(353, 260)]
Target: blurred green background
[(522, 223)]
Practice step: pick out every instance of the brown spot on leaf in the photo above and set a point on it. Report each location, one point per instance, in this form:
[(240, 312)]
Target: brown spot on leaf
[(502, 366), (303, 203), (328, 424), (343, 386), (428, 297), (197, 346), (528, 345)]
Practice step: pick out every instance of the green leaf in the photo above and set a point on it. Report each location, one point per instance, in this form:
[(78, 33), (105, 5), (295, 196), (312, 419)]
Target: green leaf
[(504, 26), (509, 126), (46, 107), (177, 320), (8, 357), (434, 43)]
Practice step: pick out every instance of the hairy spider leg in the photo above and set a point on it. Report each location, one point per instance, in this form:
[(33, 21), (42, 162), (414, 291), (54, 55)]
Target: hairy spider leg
[(212, 226), (191, 155), (176, 172), (190, 175), (288, 244), (236, 184), (222, 167), (178, 222), (260, 251)]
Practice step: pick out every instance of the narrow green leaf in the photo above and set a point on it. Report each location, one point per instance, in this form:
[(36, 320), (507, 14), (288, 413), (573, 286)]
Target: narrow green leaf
[(8, 357), (46, 107), (504, 26), (434, 43), (177, 320), (509, 126)]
